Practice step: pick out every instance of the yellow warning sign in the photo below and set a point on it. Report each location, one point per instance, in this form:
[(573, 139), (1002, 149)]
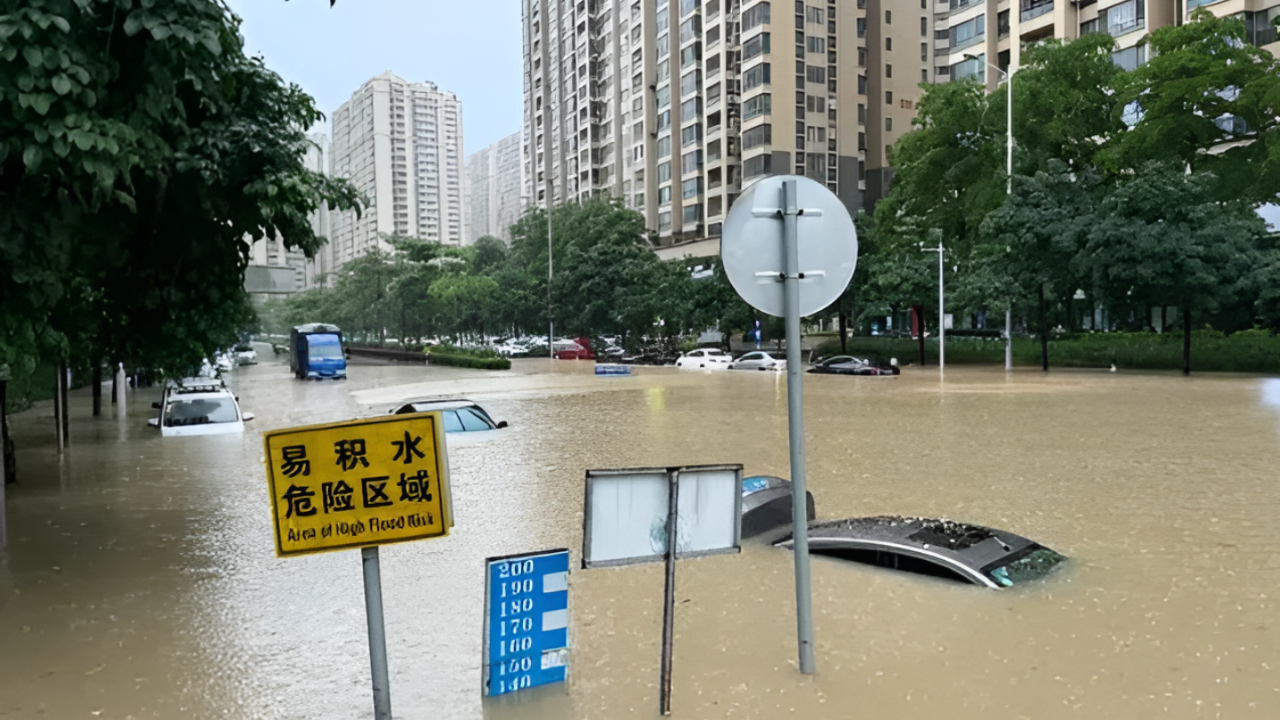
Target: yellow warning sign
[(358, 483)]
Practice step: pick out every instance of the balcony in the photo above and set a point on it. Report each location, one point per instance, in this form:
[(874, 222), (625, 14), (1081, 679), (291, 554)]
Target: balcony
[(1035, 8)]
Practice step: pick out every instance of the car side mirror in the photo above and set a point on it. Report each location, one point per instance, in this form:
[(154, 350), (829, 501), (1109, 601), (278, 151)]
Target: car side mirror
[(155, 406), (247, 416), (502, 424)]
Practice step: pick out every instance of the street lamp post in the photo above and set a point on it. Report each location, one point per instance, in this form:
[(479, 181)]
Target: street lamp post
[(1008, 190)]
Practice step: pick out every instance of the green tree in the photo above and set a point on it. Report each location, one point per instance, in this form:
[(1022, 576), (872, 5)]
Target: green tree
[(140, 151), (1205, 88)]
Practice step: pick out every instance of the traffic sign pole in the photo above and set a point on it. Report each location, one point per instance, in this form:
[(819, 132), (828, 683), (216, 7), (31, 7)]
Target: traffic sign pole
[(795, 425), (377, 634)]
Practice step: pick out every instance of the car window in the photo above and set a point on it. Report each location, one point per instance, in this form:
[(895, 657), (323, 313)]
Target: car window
[(451, 421), (751, 356), (199, 411), (1031, 566), (472, 421)]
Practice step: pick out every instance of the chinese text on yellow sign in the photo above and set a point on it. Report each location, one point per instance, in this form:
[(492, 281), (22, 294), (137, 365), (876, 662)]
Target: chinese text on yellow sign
[(359, 483)]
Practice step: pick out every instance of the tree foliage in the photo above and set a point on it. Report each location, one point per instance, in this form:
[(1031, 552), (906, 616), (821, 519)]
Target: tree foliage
[(140, 152)]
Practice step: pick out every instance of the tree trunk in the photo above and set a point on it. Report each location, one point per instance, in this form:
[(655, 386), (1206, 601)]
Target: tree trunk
[(1044, 334), (97, 388), (919, 313), (844, 333), (7, 461), (1186, 340)]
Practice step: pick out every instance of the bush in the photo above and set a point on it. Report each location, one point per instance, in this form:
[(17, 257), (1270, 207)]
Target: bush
[(1245, 351), (478, 358)]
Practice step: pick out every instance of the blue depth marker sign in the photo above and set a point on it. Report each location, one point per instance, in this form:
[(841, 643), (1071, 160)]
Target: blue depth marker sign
[(526, 626)]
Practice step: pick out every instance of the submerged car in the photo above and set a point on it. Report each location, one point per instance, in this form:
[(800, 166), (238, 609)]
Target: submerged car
[(458, 415), (850, 365), (198, 406), (246, 355), (766, 505), (708, 358), (943, 548), (758, 360)]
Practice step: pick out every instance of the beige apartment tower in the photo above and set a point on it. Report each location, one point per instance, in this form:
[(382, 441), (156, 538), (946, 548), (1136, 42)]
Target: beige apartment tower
[(674, 105), (400, 143), (996, 32), (495, 189)]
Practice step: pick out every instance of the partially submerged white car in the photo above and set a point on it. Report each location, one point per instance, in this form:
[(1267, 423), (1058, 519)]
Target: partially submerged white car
[(198, 406), (707, 358)]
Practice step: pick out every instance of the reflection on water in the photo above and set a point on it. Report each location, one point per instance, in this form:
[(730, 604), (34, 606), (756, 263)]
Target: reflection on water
[(143, 584)]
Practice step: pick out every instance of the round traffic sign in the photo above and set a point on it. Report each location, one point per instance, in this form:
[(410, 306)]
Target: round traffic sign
[(751, 245)]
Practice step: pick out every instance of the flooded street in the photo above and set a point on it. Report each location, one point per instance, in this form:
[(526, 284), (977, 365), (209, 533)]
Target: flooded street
[(142, 581)]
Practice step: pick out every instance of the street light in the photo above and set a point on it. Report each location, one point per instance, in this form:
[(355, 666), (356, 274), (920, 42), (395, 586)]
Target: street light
[(1008, 189)]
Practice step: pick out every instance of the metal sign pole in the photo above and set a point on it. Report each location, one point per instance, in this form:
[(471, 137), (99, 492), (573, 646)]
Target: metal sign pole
[(795, 425), (669, 597), (377, 634)]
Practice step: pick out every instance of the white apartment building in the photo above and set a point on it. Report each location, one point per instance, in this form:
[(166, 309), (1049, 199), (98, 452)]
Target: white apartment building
[(495, 190), (318, 159), (672, 105), (400, 143)]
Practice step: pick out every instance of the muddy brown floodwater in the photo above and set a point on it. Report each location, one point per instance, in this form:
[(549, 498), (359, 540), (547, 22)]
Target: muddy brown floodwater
[(141, 580)]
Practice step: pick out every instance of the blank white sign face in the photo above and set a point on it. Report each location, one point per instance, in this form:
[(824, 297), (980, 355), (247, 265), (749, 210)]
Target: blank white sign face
[(626, 514), (709, 508)]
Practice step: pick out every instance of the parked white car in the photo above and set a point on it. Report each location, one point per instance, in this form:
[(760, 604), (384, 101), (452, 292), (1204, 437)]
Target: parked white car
[(198, 406), (758, 360), (707, 358)]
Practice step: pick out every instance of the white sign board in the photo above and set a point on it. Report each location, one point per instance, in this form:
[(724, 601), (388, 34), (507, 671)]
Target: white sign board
[(625, 519), (752, 245)]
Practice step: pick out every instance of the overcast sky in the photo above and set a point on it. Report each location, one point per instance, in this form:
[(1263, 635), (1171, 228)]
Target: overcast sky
[(469, 47)]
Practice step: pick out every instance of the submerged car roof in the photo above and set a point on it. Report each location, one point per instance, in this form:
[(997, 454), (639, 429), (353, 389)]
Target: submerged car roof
[(429, 405), (964, 548)]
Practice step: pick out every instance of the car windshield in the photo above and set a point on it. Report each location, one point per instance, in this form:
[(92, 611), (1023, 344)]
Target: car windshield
[(715, 353), (472, 419), (326, 352), (1032, 566), (199, 411)]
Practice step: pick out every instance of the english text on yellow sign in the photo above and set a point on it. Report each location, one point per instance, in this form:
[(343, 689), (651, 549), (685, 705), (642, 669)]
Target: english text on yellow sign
[(358, 483)]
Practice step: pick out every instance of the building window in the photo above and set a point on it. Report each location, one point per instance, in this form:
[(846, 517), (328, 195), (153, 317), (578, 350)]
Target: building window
[(1130, 58), (968, 33), (693, 214), (816, 44), (757, 136), (758, 165), (691, 161), (691, 188), (664, 147), (755, 46), (756, 106), (862, 27), (814, 15), (888, 97), (664, 172), (1125, 17), (756, 76), (816, 74), (888, 43), (888, 124), (755, 16), (664, 221), (888, 71), (888, 17), (1087, 27), (664, 195), (862, 84)]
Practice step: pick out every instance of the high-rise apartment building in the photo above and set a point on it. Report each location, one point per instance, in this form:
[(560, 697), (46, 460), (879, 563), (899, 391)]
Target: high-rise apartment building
[(400, 143), (318, 158), (495, 189), (975, 32), (674, 105)]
